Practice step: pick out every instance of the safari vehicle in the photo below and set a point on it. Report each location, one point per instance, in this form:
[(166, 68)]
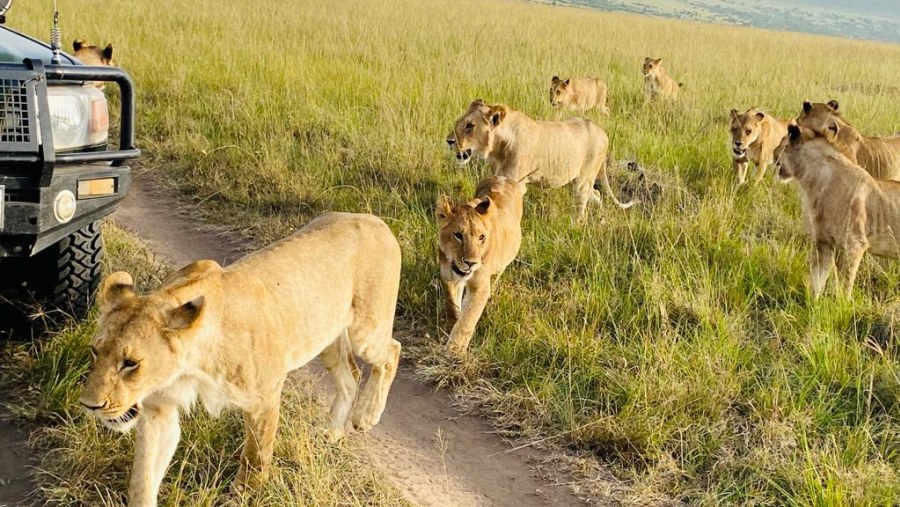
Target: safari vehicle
[(58, 173)]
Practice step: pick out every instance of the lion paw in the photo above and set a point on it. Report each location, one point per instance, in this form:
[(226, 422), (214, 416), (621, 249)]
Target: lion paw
[(365, 418), (334, 435)]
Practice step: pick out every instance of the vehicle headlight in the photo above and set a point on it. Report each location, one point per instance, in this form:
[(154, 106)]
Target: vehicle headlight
[(79, 116)]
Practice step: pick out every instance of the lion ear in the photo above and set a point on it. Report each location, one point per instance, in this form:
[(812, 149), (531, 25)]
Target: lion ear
[(107, 53), (496, 115), (760, 115), (734, 114), (78, 44), (555, 79), (116, 288), (833, 104), (185, 315), (657, 61), (484, 206), (794, 132), (807, 106), (476, 103), (443, 209)]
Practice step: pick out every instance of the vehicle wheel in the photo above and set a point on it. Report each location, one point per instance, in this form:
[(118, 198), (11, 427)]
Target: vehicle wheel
[(73, 271), (44, 291)]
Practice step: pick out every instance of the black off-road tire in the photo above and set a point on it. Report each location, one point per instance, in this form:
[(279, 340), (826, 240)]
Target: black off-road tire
[(76, 263), (45, 291)]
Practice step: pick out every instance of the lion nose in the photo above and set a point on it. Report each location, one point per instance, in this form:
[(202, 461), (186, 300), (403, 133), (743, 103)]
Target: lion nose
[(469, 263), (94, 407)]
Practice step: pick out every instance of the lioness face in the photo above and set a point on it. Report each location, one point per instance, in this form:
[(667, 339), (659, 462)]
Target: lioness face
[(560, 92), (136, 352), (819, 117), (651, 66), (786, 155), (463, 235), (745, 130), (474, 131)]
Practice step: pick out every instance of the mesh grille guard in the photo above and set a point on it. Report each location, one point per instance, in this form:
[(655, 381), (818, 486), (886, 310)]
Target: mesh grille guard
[(25, 134), (18, 126)]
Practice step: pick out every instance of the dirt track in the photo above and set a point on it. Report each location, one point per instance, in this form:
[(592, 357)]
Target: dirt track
[(432, 453), (15, 457)]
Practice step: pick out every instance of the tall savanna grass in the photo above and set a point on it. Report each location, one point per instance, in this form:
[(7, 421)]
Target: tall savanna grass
[(676, 340)]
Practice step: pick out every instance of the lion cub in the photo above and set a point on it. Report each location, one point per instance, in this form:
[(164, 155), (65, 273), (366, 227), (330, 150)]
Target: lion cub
[(229, 337), (879, 156), (754, 137), (93, 55), (548, 153), (477, 241), (849, 211), (657, 82), (578, 94)]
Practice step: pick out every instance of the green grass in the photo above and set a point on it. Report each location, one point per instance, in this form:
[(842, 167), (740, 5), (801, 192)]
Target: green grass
[(675, 341), (85, 464)]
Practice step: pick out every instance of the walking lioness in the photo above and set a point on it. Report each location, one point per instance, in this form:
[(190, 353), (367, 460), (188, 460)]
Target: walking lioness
[(578, 94), (880, 156), (754, 137), (228, 337), (849, 211), (547, 153), (477, 241), (657, 82)]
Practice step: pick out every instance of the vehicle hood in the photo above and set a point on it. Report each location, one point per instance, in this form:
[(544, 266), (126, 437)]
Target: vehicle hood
[(15, 47)]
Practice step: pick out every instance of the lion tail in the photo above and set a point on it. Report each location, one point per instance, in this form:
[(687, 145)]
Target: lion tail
[(604, 180)]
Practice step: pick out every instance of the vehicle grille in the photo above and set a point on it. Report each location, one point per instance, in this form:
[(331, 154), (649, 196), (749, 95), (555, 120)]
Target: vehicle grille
[(18, 131)]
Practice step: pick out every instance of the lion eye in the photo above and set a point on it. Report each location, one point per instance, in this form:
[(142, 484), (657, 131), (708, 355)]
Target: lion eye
[(458, 236), (469, 126), (129, 364), (481, 238), (748, 132)]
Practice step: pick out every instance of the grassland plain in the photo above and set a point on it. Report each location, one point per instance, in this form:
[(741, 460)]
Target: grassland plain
[(676, 340), (85, 464)]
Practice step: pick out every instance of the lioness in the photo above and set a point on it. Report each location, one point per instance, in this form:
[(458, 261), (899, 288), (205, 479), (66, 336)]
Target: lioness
[(93, 55), (880, 156), (477, 241), (657, 82), (754, 137), (548, 153), (579, 94), (228, 337), (849, 211)]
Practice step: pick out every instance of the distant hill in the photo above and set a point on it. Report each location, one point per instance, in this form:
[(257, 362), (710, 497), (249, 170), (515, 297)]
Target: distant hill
[(861, 19)]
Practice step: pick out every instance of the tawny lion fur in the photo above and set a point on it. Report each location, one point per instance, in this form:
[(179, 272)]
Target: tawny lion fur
[(578, 94), (547, 153), (849, 212), (657, 82), (754, 137), (229, 337), (879, 156), (477, 241), (93, 55)]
